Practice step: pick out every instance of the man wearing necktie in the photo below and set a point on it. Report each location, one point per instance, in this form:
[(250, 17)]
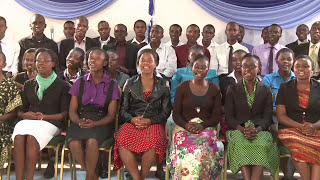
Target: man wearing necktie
[(221, 55), (312, 48), (267, 52)]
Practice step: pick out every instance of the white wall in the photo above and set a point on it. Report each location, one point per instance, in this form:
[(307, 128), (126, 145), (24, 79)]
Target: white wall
[(167, 12)]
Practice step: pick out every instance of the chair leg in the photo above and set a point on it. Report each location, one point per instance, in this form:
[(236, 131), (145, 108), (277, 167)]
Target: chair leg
[(118, 175), (9, 162), (167, 169), (56, 162), (74, 169), (70, 165), (62, 161), (109, 164), (225, 166), (39, 160), (276, 175)]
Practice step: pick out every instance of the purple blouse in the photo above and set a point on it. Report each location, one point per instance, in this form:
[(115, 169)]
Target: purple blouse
[(94, 95)]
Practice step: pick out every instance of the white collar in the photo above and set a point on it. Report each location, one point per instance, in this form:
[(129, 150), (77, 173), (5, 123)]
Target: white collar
[(135, 40)]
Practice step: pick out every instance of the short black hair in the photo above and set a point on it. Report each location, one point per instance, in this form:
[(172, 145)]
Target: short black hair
[(141, 21), (240, 51), (52, 54), (30, 50), (150, 51), (277, 25), (194, 25), (210, 26), (97, 49), (122, 26), (3, 19), (176, 25), (306, 57), (103, 21), (157, 26), (301, 26), (68, 22), (284, 50), (252, 56), (199, 57)]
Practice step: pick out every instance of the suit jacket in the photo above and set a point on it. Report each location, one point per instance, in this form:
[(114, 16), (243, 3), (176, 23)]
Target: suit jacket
[(111, 41), (288, 96), (68, 44), (303, 49), (292, 45), (130, 57), (237, 109)]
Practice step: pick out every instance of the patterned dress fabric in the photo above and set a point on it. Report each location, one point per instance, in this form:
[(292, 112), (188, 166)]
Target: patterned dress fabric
[(195, 156), (9, 100), (262, 151), (139, 141), (302, 148)]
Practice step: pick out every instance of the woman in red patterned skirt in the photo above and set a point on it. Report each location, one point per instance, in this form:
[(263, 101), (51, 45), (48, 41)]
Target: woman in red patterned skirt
[(298, 103), (145, 109)]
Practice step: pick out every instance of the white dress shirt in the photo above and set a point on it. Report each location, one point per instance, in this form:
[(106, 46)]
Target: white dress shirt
[(220, 57), (167, 59), (135, 40), (169, 43), (211, 46), (11, 49), (104, 42)]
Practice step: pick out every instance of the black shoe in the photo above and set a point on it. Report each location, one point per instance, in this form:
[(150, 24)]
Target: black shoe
[(103, 173), (49, 173), (161, 175), (128, 176)]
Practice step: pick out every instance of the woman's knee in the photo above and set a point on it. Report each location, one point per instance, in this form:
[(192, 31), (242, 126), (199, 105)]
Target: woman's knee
[(75, 145), (19, 139), (92, 143)]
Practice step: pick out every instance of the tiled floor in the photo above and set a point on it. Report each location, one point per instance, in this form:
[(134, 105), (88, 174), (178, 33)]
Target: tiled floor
[(81, 175)]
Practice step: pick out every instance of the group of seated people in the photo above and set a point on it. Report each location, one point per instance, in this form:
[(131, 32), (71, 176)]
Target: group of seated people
[(190, 100)]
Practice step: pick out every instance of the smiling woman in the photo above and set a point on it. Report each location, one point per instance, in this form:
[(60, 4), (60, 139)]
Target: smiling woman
[(248, 109), (196, 152), (145, 109), (42, 113), (298, 113)]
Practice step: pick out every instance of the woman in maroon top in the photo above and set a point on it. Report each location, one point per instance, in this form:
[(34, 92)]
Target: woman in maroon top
[(195, 151)]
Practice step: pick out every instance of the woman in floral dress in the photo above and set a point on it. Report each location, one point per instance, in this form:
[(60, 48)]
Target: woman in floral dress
[(196, 152)]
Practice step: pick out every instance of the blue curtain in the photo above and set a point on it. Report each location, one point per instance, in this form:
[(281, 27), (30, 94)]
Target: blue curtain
[(256, 14), (65, 9)]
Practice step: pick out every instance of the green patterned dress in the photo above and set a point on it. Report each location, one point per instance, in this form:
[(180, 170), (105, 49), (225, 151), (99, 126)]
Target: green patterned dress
[(9, 100), (262, 151)]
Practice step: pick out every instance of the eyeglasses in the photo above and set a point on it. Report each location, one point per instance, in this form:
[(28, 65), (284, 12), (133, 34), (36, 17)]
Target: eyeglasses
[(248, 67), (42, 61)]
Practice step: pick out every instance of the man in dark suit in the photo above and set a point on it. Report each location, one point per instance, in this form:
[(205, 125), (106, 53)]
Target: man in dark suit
[(80, 40), (302, 32), (127, 51), (104, 31), (312, 48)]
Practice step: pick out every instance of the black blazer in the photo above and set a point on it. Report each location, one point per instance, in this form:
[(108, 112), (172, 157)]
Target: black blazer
[(237, 109), (130, 58), (292, 45), (288, 96), (68, 44), (157, 108), (55, 99), (112, 40), (303, 49)]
